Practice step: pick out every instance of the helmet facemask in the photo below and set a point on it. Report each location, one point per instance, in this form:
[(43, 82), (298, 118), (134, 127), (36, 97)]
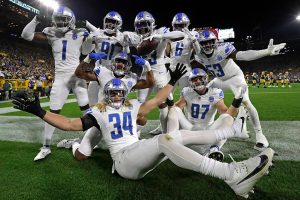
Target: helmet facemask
[(115, 92), (112, 22), (120, 66), (63, 19), (208, 46), (143, 28), (198, 79)]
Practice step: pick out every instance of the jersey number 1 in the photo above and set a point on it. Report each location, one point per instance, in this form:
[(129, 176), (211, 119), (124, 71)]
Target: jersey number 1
[(64, 49)]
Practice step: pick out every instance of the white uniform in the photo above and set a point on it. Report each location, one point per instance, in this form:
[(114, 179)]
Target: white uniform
[(200, 110), (104, 75), (66, 51), (181, 52), (228, 74), (110, 48), (157, 61), (92, 137)]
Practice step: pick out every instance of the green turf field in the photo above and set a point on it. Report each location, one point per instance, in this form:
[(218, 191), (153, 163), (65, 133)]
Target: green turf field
[(59, 176)]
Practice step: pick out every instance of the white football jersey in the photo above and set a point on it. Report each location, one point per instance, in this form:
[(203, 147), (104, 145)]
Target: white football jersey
[(109, 47), (200, 110), (104, 75), (66, 48), (181, 50), (156, 58), (219, 64), (118, 126)]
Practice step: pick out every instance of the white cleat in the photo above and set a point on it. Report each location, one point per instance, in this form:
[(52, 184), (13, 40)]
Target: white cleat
[(44, 151), (248, 172), (261, 142), (238, 127), (156, 131), (67, 143)]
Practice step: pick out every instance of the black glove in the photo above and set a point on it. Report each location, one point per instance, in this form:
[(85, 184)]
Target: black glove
[(179, 71), (80, 24), (28, 103), (41, 18)]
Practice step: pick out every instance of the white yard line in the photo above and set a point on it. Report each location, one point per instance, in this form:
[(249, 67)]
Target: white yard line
[(45, 104)]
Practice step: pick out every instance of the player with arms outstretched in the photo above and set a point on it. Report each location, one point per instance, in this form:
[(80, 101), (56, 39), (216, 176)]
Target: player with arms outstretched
[(66, 42)]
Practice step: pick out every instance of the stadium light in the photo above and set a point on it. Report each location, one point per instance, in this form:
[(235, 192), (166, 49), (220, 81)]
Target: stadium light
[(298, 17), (50, 3)]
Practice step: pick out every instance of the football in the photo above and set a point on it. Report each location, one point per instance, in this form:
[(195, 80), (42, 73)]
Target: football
[(147, 46)]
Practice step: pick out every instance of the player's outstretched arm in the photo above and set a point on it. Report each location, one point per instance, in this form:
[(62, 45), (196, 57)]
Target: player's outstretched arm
[(29, 33), (163, 93), (24, 102), (249, 55)]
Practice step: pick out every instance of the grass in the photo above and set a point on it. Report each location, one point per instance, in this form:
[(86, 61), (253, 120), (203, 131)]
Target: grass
[(60, 176), (272, 104)]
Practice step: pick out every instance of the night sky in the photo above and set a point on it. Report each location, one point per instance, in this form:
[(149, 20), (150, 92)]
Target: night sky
[(272, 19)]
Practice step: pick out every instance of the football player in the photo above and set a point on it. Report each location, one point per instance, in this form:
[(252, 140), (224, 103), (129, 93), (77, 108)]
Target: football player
[(200, 106), (134, 158), (218, 59), (144, 24), (66, 43), (120, 69)]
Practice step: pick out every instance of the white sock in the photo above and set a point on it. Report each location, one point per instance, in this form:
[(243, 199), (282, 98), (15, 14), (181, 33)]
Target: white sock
[(48, 133), (186, 158), (75, 146), (163, 114), (254, 118), (173, 122)]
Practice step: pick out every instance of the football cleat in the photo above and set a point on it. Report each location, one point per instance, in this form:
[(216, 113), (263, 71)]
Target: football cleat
[(44, 151), (67, 143), (261, 142), (246, 173), (238, 127), (156, 131), (215, 153)]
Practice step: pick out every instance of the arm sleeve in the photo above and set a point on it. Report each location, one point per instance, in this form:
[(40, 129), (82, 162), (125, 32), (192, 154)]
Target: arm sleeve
[(251, 54), (173, 35), (89, 121), (29, 29)]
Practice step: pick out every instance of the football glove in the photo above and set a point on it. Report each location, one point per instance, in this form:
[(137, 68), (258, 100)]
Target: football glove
[(28, 103), (275, 49), (179, 71)]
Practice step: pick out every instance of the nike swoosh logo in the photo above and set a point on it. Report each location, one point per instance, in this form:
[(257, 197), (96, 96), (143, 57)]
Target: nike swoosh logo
[(243, 121), (263, 162)]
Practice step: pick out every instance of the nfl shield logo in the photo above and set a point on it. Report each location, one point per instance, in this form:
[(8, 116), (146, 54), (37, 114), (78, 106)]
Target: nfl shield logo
[(129, 84), (211, 99)]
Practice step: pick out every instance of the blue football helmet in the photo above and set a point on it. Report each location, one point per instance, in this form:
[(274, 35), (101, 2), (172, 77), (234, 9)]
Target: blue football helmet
[(144, 24), (63, 18), (180, 21), (198, 79), (115, 93), (112, 22), (207, 40), (120, 64)]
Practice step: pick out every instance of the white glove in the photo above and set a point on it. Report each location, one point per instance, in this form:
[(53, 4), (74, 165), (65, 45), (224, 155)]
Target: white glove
[(155, 36), (191, 37), (275, 49)]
